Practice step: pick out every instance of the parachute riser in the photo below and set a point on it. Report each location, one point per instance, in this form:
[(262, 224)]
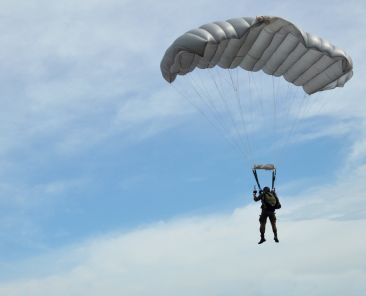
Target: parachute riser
[(273, 179), (256, 179)]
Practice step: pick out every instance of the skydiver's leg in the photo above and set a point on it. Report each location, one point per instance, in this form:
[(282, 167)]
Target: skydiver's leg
[(272, 218), (262, 228)]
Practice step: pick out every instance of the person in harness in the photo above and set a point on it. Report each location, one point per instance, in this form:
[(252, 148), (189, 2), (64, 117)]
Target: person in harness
[(270, 203)]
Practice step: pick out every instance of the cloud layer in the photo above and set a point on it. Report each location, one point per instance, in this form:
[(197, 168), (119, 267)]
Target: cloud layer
[(212, 255)]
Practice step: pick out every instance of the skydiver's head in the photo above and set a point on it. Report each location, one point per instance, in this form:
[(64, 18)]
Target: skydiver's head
[(266, 189)]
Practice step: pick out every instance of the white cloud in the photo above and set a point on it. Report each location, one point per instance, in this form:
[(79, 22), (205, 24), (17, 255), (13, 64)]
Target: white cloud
[(320, 253), (156, 112), (341, 199), (73, 63), (208, 256), (358, 150)]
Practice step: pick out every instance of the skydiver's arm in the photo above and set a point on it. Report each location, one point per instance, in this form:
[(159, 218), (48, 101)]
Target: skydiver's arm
[(257, 198)]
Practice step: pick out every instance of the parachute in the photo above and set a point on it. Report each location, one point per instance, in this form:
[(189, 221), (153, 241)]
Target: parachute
[(271, 44)]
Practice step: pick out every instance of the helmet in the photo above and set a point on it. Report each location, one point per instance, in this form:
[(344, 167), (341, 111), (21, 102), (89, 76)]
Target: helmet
[(266, 189)]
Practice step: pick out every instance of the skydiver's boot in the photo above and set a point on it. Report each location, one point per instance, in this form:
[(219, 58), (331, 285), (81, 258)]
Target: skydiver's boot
[(262, 239), (276, 238)]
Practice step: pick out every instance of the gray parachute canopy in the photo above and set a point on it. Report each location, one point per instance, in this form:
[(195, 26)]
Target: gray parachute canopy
[(271, 44)]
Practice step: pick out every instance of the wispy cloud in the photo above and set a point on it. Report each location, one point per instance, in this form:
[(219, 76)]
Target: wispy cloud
[(87, 66), (340, 199), (67, 65)]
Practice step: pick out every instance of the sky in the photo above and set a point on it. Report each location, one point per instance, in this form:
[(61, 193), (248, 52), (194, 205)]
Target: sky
[(112, 184)]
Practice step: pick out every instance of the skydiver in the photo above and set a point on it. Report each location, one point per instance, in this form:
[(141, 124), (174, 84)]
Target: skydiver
[(270, 203)]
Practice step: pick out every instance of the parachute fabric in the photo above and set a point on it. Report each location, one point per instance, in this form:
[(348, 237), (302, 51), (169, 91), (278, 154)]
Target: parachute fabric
[(271, 44)]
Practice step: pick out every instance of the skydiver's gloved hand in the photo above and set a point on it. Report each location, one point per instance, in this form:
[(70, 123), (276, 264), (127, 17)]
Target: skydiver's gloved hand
[(255, 192)]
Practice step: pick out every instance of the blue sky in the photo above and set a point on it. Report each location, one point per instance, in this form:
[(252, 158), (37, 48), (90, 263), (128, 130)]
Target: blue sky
[(110, 183)]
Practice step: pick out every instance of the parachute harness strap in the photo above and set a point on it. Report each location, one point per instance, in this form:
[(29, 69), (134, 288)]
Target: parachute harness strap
[(273, 178), (256, 178)]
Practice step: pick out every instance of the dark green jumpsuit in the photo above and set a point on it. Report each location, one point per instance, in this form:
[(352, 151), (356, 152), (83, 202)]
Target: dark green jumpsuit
[(268, 211)]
